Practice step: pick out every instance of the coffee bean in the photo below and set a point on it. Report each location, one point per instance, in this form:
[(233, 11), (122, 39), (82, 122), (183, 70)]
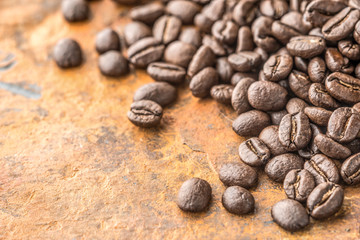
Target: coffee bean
[(295, 21), (343, 87), (147, 13), (179, 53), (202, 82), (316, 32), (306, 46), (336, 62), (166, 29), (301, 64), (113, 64), (75, 10), (278, 67), (356, 33), (245, 12), (238, 174), (331, 148), (214, 44), (159, 92), (225, 31), (295, 105), (311, 149), (322, 168), (224, 69), (250, 123), (166, 72), (274, 9), (239, 100), (191, 35), (317, 70), (277, 168), (244, 61), (298, 184), (107, 40), (204, 57), (349, 49), (261, 96), (245, 39), (299, 83), (357, 107), (194, 195), (354, 146), (270, 136), (290, 215), (222, 93), (67, 53), (325, 200), (214, 10), (184, 10), (283, 32), (145, 113), (145, 51), (344, 124), (277, 116), (237, 77), (319, 96), (203, 22), (317, 115), (254, 152), (134, 31), (341, 25), (350, 170), (238, 200), (261, 30), (263, 54)]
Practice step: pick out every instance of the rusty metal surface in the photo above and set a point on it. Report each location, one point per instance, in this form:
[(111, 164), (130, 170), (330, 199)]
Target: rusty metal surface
[(73, 167)]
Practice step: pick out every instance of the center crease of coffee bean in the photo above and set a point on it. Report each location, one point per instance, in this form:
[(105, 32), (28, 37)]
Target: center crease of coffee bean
[(316, 167)]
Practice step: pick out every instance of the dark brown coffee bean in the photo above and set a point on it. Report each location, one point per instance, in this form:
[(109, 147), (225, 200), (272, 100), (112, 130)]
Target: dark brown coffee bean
[(245, 39), (224, 69), (113, 64), (336, 62), (298, 184), (357, 106), (107, 40), (341, 25), (166, 29), (274, 9), (184, 10), (321, 98), (331, 148), (290, 215), (202, 82), (214, 10), (283, 32), (239, 100), (204, 57), (278, 67), (244, 61), (261, 30), (238, 200), (354, 146), (250, 123), (356, 33), (179, 53), (295, 21), (191, 35), (245, 12), (317, 70), (270, 136), (238, 174), (277, 116), (295, 105), (301, 64), (344, 124), (67, 53), (225, 31), (325, 200), (306, 46), (317, 115), (349, 49), (316, 32), (147, 13), (277, 168), (145, 113), (159, 92), (134, 31), (295, 131), (194, 195), (145, 51), (323, 169), (299, 83), (222, 93), (311, 150), (343, 87), (237, 77), (75, 10), (254, 152), (214, 44), (166, 72), (261, 96), (350, 170)]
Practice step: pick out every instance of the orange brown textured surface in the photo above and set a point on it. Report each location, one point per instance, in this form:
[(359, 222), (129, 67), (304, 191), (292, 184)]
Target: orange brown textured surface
[(73, 167)]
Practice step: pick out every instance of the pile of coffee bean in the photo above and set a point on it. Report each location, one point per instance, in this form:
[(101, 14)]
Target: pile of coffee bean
[(288, 68)]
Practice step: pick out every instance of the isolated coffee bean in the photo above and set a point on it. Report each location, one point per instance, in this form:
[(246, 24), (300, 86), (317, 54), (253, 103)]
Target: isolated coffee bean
[(317, 115), (166, 29), (323, 169), (343, 87), (245, 39), (306, 46), (204, 57), (179, 53), (145, 113), (337, 62), (134, 31), (295, 105), (75, 10), (298, 184), (250, 123), (344, 124), (349, 49), (277, 168), (166, 72), (239, 100), (325, 200), (350, 170), (278, 67), (147, 13), (238, 174), (107, 40), (300, 83), (237, 77), (319, 96), (159, 92), (277, 116), (214, 44), (274, 9), (145, 51), (202, 82), (225, 31), (191, 35), (238, 200), (244, 61), (270, 136), (254, 152), (222, 93), (194, 195), (290, 215), (331, 148), (113, 64), (184, 10), (67, 53), (317, 70)]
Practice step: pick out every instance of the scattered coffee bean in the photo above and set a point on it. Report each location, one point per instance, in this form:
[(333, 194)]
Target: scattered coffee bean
[(245, 39), (145, 51), (166, 72), (194, 195), (336, 62), (251, 123), (147, 13), (295, 105), (300, 84), (254, 152), (239, 100), (184, 10), (323, 169), (134, 31), (317, 70), (350, 170), (107, 40), (317, 115), (277, 168), (75, 10), (278, 67), (67, 53), (270, 136), (145, 113), (298, 184), (344, 124), (204, 57), (202, 82), (343, 87), (349, 49), (191, 35), (238, 174), (113, 64), (319, 96), (331, 148), (222, 93), (311, 149), (238, 200), (306, 46), (179, 53), (166, 29), (159, 92)]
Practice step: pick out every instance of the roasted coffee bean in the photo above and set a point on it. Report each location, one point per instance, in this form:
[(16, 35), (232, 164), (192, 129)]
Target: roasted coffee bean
[(194, 195), (278, 67), (306, 46), (298, 184), (166, 72), (203, 22), (145, 113), (261, 96), (354, 146), (295, 105), (325, 200), (357, 106), (245, 39), (274, 9), (179, 53), (336, 62), (250, 123), (350, 170), (299, 83), (237, 77), (261, 30), (67, 53), (159, 92), (323, 169), (277, 116), (290, 215), (320, 97), (113, 64), (283, 32), (239, 100), (75, 10), (331, 148), (301, 64), (270, 136), (343, 87), (356, 33), (225, 31), (263, 54), (184, 10), (214, 10), (107, 40), (134, 31), (316, 32), (238, 174), (191, 35), (238, 200), (202, 82), (254, 152), (349, 49), (295, 21), (204, 57), (145, 51), (344, 124), (277, 168), (222, 93), (311, 149), (295, 131), (166, 29), (245, 12), (214, 44), (317, 115), (341, 25), (317, 70), (147, 13), (224, 69), (244, 61)]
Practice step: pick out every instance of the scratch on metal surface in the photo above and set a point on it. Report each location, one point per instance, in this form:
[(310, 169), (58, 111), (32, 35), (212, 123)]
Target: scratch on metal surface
[(31, 91)]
